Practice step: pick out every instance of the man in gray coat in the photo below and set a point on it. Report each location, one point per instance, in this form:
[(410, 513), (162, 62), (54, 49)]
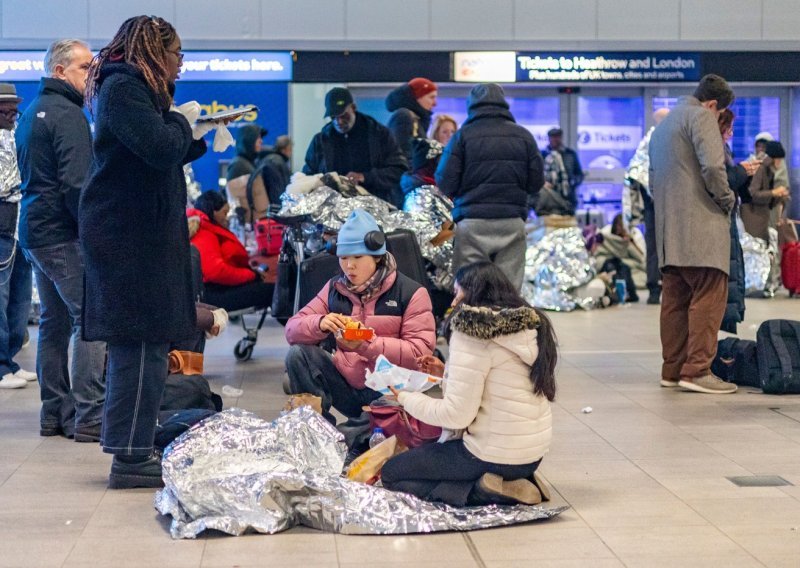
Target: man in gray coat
[(693, 209)]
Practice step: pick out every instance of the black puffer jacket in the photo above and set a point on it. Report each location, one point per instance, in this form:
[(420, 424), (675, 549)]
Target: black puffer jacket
[(492, 165), (734, 310), (55, 153), (132, 217), (409, 120)]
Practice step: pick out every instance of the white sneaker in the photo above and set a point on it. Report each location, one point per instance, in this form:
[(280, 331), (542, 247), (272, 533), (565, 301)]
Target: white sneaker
[(9, 381), (26, 375)]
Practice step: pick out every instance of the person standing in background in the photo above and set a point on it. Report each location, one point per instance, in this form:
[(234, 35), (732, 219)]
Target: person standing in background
[(358, 147), (693, 204), (55, 154), (490, 169), (638, 188), (444, 127), (135, 238), (411, 106), (561, 197), (15, 272)]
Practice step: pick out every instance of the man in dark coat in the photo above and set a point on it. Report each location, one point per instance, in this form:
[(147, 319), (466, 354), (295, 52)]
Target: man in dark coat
[(55, 154), (359, 147), (571, 167), (490, 169), (411, 106)]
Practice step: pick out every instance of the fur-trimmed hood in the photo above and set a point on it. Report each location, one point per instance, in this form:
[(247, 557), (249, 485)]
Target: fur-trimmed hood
[(511, 328)]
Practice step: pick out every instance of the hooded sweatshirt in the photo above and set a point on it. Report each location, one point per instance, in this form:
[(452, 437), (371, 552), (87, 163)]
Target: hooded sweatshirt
[(409, 120), (244, 163), (492, 165), (487, 387)]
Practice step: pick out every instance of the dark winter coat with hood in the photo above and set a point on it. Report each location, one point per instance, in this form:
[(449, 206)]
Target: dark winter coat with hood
[(244, 163), (54, 146), (408, 121), (492, 165), (132, 220)]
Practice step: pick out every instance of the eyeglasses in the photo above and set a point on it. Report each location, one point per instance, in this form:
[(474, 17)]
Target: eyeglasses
[(178, 54)]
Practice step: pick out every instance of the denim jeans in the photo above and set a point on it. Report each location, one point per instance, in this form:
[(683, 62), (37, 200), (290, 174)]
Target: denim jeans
[(59, 279), (15, 302), (135, 382), (446, 473), (311, 370)]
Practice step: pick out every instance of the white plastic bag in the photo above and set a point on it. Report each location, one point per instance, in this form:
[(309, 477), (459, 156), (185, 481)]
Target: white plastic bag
[(387, 374)]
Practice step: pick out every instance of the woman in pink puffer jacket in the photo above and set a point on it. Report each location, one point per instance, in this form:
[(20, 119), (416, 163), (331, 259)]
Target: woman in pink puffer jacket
[(369, 290)]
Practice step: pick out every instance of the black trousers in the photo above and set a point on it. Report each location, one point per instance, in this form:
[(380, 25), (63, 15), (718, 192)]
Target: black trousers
[(446, 473), (653, 273), (253, 294)]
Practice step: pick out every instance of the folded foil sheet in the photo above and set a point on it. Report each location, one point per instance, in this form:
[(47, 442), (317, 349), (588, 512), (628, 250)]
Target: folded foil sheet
[(426, 210), (556, 263), (235, 472), (758, 259), (9, 172)]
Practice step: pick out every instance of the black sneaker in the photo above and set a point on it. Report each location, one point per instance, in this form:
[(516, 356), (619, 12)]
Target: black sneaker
[(654, 298), (88, 433), (128, 472), (48, 431)]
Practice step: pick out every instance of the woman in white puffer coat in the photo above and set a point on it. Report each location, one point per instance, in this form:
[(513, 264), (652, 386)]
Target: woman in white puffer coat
[(498, 385)]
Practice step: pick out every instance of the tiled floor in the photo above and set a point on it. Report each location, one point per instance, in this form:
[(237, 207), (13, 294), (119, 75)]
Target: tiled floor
[(644, 473)]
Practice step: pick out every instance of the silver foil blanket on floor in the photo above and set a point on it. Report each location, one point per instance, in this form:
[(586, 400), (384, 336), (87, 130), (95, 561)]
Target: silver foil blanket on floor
[(426, 209), (235, 471), (555, 265), (758, 259)]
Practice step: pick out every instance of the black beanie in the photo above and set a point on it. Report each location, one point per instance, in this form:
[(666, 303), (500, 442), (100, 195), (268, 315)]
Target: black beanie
[(775, 149)]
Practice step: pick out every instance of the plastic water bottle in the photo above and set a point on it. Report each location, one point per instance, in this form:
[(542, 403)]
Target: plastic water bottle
[(622, 290), (377, 437)]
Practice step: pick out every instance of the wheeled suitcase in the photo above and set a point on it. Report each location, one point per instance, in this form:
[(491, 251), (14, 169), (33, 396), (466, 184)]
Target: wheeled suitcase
[(790, 267)]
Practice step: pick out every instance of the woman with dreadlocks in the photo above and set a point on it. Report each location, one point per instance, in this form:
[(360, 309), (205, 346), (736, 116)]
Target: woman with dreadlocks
[(134, 236)]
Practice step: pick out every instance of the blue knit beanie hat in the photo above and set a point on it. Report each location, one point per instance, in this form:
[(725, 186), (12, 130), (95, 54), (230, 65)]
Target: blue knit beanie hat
[(350, 241)]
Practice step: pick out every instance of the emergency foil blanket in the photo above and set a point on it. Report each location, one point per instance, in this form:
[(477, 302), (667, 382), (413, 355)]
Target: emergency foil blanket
[(758, 259), (426, 211), (235, 471), (9, 172), (555, 266)]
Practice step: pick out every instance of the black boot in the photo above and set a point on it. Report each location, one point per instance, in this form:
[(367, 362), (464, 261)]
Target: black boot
[(655, 297), (128, 472)]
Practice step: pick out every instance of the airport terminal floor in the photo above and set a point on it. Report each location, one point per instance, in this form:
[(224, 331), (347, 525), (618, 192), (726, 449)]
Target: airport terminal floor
[(646, 473)]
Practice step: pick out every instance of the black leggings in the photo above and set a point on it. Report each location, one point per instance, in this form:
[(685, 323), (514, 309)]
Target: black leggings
[(254, 294), (445, 472)]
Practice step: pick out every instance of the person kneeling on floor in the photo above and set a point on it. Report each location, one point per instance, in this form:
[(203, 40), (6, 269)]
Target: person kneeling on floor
[(498, 385), (372, 291)]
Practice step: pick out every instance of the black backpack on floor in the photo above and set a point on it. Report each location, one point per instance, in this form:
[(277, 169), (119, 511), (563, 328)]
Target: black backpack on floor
[(779, 356), (737, 362)]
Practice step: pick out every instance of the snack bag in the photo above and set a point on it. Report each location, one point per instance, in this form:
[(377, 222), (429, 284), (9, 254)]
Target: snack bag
[(387, 374), (366, 468)]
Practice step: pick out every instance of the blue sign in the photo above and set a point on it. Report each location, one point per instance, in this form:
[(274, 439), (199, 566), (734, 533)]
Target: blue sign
[(197, 66), (272, 100), (237, 66), (607, 66), (21, 66)]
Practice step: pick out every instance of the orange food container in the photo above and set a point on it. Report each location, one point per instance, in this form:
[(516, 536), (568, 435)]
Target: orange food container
[(361, 334)]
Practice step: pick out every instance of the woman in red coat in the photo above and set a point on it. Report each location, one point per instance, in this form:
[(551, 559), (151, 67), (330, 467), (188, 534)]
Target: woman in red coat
[(230, 280)]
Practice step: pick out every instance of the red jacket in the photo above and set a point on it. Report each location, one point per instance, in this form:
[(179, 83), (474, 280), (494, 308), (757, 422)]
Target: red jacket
[(223, 259), (400, 314)]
